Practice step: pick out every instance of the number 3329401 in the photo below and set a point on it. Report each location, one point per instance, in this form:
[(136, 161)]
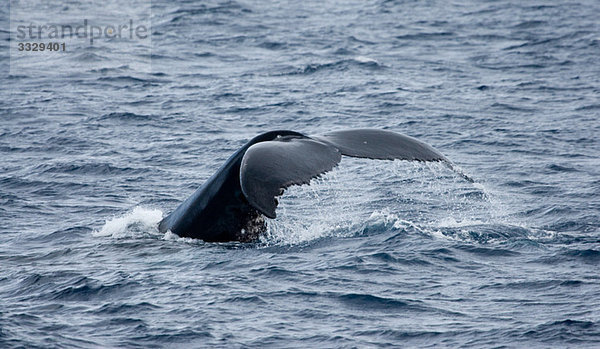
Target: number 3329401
[(40, 46)]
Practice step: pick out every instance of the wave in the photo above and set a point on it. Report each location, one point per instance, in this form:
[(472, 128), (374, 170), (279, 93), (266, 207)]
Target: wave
[(370, 302), (126, 79), (87, 169), (359, 62), (589, 256), (88, 289), (570, 331), (125, 116), (118, 308), (426, 36), (89, 57)]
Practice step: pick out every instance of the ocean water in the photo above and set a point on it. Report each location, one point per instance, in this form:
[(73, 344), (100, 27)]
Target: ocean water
[(101, 141)]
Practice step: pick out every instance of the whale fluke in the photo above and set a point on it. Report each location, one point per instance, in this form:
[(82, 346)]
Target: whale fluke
[(230, 205), (270, 167)]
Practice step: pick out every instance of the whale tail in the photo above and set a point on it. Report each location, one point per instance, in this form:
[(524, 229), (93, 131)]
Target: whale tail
[(231, 204), (270, 167)]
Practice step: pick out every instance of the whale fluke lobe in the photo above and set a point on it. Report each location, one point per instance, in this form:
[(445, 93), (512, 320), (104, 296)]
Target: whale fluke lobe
[(230, 205), (269, 167), (382, 145)]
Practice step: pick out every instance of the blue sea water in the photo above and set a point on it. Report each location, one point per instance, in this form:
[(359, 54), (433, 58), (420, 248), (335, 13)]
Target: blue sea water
[(100, 142)]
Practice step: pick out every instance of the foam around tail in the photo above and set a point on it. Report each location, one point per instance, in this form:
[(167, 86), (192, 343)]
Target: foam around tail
[(140, 221)]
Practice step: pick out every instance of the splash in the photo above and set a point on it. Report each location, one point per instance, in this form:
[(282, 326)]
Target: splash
[(170, 236), (138, 222), (391, 221), (325, 208), (368, 197)]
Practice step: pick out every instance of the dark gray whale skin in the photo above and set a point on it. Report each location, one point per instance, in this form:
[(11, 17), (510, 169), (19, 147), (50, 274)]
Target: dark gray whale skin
[(231, 205)]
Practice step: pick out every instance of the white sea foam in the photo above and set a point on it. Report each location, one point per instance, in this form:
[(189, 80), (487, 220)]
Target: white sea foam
[(170, 236), (459, 222), (137, 222), (363, 59)]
